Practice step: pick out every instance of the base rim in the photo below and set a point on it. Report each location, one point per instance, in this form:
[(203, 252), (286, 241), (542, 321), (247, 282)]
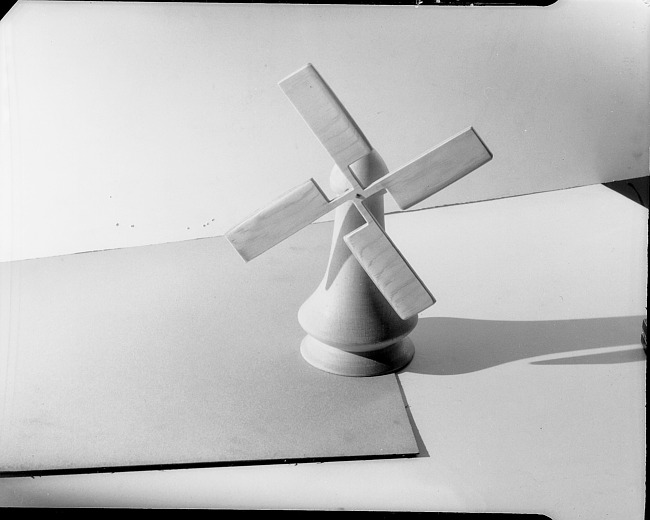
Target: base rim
[(357, 364)]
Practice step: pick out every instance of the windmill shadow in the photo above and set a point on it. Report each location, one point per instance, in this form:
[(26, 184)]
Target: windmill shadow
[(449, 346)]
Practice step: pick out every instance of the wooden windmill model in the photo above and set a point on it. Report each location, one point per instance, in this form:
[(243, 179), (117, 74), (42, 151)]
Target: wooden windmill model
[(358, 318)]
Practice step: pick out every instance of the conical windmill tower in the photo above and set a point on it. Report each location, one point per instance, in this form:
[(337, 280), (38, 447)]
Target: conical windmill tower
[(358, 319)]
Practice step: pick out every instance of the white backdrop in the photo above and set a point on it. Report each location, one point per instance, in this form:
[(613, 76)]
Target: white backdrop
[(126, 124)]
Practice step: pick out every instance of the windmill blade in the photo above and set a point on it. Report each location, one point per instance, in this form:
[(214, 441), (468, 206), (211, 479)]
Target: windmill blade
[(388, 269), (279, 220), (436, 169), (326, 116)]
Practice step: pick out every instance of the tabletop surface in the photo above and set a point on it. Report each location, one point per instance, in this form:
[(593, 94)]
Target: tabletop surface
[(527, 390), (177, 354)]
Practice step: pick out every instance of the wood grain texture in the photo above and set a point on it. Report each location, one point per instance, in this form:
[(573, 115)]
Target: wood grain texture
[(437, 169), (279, 220), (326, 116), (388, 269)]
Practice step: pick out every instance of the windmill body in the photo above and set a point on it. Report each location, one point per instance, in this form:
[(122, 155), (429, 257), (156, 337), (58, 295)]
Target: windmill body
[(351, 328), (358, 318)]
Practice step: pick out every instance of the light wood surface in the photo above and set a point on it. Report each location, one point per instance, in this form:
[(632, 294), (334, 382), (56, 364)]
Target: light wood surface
[(437, 169), (388, 269), (326, 116), (279, 220)]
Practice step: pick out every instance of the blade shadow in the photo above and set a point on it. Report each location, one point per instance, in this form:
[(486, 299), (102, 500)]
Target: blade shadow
[(340, 252), (601, 358), (451, 346)]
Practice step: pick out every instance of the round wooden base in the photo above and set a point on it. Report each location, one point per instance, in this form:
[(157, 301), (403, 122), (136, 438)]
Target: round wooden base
[(370, 363)]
